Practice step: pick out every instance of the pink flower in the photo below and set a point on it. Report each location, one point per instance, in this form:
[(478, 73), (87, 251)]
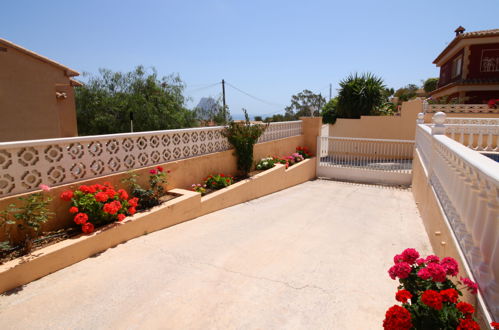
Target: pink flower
[(438, 273), (153, 171), (44, 187), (471, 286), (420, 261), (398, 258), (400, 270), (424, 273), (432, 258), (410, 256), (450, 265)]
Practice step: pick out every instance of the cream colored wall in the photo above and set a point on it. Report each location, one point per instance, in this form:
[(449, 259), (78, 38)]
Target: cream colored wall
[(437, 228), (401, 127), (28, 105), (185, 172)]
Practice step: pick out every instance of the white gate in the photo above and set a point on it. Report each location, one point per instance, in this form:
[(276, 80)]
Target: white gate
[(365, 160)]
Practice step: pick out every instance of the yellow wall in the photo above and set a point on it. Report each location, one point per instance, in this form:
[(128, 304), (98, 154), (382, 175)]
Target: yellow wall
[(401, 127), (184, 173), (28, 105)]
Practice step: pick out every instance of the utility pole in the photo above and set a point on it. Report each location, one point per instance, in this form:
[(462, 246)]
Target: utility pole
[(330, 91), (223, 98)]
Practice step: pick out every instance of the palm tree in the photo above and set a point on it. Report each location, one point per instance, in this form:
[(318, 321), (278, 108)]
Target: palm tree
[(360, 95)]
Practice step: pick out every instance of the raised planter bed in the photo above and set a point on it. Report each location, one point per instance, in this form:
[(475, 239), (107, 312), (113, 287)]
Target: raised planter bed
[(186, 206)]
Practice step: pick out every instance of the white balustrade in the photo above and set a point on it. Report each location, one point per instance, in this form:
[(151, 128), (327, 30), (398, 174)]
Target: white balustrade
[(460, 108), (26, 164), (467, 186)]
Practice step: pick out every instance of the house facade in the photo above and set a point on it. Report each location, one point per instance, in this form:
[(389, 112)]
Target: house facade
[(469, 67), (36, 96)]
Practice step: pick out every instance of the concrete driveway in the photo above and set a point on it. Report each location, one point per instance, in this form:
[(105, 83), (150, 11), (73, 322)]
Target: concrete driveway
[(314, 256)]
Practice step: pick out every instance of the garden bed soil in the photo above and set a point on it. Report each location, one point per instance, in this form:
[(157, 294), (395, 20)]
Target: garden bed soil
[(52, 237)]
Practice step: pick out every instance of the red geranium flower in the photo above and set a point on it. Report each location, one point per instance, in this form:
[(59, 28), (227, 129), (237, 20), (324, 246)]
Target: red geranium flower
[(73, 209), (468, 324), (123, 194), (132, 210), (397, 318), (111, 193), (403, 296), (449, 295), (67, 195), (410, 256), (121, 217), (87, 228), (450, 265), (101, 197), (153, 171), (159, 168), (86, 189), (432, 299), (133, 202), (80, 218), (495, 325), (465, 308)]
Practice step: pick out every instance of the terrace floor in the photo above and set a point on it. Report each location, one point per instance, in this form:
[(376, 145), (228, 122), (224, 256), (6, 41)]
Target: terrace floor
[(314, 256)]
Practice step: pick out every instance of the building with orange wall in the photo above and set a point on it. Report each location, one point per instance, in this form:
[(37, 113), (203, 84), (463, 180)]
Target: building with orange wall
[(469, 67), (36, 96)]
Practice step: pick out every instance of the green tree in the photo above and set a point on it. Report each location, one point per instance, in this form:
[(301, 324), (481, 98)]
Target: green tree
[(105, 103), (430, 84), (305, 103), (360, 95), (406, 93), (258, 118), (328, 112)]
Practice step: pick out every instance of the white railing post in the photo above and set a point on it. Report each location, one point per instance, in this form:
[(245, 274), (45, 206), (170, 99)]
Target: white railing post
[(420, 119), (438, 120)]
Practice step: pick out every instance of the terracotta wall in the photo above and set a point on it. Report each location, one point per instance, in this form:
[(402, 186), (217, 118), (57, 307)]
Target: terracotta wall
[(401, 127), (28, 105), (185, 172)]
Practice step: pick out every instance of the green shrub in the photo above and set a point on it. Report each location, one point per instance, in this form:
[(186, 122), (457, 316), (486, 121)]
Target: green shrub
[(218, 181), (243, 136), (266, 163)]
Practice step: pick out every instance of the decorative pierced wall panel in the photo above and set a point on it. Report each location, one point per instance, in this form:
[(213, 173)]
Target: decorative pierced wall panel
[(26, 164), (460, 108)]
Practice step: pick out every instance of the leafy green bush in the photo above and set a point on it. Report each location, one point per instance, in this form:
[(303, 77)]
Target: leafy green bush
[(148, 197), (243, 136), (266, 163), (360, 95), (218, 181), (28, 217)]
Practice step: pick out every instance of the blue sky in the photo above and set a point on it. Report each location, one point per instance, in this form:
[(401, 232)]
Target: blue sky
[(270, 49)]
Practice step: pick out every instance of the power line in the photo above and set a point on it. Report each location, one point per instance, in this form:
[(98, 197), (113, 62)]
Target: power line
[(254, 97), (201, 88)]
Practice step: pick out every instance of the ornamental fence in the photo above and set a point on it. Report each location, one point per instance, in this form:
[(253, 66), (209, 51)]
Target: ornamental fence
[(459, 108), (365, 160), (467, 186), (24, 165)]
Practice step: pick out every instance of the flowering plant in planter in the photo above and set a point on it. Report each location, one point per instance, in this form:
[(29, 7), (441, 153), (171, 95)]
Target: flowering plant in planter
[(493, 103), (304, 152), (148, 197), (99, 204), (200, 188), (266, 163), (218, 181), (430, 299)]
